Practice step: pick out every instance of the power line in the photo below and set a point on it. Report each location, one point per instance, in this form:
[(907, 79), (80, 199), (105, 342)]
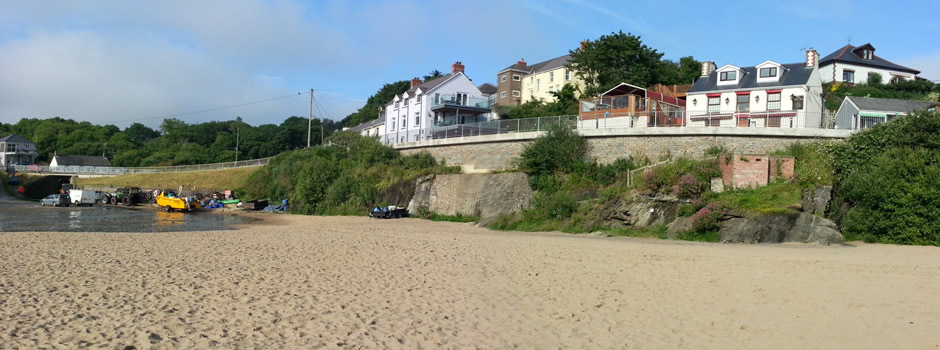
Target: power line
[(210, 109)]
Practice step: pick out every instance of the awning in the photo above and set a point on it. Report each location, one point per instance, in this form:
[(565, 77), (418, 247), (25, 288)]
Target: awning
[(713, 95), (742, 93), (873, 114)]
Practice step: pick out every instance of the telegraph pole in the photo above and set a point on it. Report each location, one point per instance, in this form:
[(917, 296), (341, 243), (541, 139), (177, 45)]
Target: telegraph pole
[(237, 134), (310, 118)]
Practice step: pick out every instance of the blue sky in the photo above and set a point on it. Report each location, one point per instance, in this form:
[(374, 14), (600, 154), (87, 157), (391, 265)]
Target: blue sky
[(109, 61)]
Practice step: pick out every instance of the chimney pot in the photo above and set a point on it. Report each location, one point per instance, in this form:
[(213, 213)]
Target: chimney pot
[(457, 67), (521, 62), (583, 44), (415, 82)]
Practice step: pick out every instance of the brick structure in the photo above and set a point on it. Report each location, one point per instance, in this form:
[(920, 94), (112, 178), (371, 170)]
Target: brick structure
[(749, 170)]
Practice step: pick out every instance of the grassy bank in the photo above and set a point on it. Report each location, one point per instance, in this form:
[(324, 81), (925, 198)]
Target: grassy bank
[(209, 179)]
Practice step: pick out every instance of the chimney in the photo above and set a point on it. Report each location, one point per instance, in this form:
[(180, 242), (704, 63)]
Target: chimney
[(583, 44), (521, 62), (812, 58), (457, 67), (708, 67), (415, 82)]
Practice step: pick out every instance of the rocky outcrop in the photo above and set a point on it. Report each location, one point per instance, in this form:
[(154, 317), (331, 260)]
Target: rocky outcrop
[(682, 224), (485, 196), (779, 228), (816, 201), (641, 211)]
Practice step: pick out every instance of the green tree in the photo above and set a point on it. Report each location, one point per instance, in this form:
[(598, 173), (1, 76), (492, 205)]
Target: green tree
[(370, 111), (434, 74), (613, 59)]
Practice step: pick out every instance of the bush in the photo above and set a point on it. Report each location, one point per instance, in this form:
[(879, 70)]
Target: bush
[(689, 187), (814, 161), (706, 219), (666, 176), (556, 205), (896, 197), (561, 149)]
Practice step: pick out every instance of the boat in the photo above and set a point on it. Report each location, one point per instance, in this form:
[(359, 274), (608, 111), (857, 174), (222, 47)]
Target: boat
[(169, 202)]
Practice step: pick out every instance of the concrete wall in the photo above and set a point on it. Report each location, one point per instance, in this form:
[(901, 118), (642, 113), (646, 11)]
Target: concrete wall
[(494, 152)]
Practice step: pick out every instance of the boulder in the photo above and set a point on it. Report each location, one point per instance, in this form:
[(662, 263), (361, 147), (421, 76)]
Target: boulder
[(718, 185), (770, 228), (816, 201), (485, 196), (421, 200), (682, 224), (814, 229), (641, 211)]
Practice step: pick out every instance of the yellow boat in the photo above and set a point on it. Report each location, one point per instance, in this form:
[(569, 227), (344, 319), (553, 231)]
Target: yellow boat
[(169, 202)]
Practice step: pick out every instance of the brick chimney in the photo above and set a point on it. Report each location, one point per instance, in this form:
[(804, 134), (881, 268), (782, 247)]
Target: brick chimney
[(415, 82), (812, 58), (708, 67), (457, 67), (583, 44), (521, 62)]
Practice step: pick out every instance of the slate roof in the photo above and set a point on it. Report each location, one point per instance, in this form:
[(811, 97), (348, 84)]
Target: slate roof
[(888, 104), (487, 89), (82, 161), (554, 63), (428, 85), (367, 125), (15, 138), (847, 54), (793, 74)]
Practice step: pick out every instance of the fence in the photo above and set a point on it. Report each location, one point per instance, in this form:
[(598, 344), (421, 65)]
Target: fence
[(92, 170), (493, 127), (784, 119)]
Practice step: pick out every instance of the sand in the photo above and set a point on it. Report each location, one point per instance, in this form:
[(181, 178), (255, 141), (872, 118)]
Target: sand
[(342, 282)]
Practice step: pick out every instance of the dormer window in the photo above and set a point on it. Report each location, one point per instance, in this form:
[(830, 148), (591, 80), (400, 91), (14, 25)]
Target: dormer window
[(866, 54), (729, 76), (768, 72)]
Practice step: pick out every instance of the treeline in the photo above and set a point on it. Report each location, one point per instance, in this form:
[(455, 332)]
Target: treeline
[(922, 90), (175, 142)]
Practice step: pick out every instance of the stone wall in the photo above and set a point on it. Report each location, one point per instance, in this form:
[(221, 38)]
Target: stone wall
[(747, 170), (477, 156)]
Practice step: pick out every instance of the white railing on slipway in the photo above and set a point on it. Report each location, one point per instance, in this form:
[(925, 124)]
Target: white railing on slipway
[(95, 170)]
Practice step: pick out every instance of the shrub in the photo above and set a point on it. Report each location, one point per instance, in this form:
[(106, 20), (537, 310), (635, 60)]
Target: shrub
[(689, 187), (561, 149), (706, 219), (896, 197), (556, 205), (814, 161)]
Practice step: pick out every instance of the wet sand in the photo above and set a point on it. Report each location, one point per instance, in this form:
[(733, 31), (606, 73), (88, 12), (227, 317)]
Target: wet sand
[(341, 282)]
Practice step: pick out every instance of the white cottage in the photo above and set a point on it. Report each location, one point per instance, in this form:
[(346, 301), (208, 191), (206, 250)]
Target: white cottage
[(428, 107), (769, 94), (854, 65), (857, 113)]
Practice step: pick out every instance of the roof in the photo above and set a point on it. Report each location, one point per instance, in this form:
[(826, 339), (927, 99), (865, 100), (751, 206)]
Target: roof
[(624, 89), (675, 90), (487, 89), (14, 138), (554, 63), (793, 74), (368, 124), (888, 104), (428, 85), (82, 161), (849, 54)]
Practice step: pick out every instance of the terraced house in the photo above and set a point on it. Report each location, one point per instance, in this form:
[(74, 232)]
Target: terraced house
[(521, 82), (769, 94)]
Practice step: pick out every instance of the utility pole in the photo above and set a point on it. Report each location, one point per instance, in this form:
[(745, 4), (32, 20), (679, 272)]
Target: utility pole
[(237, 134), (310, 118)]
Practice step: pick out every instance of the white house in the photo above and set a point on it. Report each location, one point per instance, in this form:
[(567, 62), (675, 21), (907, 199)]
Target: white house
[(854, 65), (858, 113), (449, 100), (80, 161), (16, 150), (372, 128), (769, 94)]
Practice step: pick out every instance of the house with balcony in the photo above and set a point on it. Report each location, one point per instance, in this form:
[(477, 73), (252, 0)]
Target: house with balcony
[(769, 94), (521, 82), (449, 100), (858, 113), (853, 65), (631, 106), (16, 150)]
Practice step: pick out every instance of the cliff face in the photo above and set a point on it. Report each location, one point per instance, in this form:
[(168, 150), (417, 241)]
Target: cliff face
[(485, 196)]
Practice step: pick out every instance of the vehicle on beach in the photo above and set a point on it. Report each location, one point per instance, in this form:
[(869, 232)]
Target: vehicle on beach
[(389, 212), (169, 201), (83, 197), (55, 200)]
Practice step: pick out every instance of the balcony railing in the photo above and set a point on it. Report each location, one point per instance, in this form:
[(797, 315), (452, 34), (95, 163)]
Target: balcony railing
[(460, 100), (492, 127)]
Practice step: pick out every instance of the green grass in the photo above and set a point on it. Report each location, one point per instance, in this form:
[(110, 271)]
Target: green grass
[(655, 231), (451, 218), (209, 179), (775, 198)]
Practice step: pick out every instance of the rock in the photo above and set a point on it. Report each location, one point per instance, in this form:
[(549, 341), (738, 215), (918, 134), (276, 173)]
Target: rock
[(421, 200), (638, 212), (816, 201), (718, 185), (813, 229), (680, 225), (762, 229), (485, 196)]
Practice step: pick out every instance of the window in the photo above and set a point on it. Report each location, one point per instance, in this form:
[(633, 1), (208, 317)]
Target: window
[(462, 99), (848, 76), (502, 78), (417, 119), (744, 103), (714, 105), (896, 79), (393, 124), (726, 76), (502, 94), (866, 54), (712, 122), (537, 83), (768, 72), (551, 77), (773, 102), (437, 98), (516, 77), (11, 147), (531, 79), (797, 102), (396, 105), (567, 74), (516, 93), (404, 123)]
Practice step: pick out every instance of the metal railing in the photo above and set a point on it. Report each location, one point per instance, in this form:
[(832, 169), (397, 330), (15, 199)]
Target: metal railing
[(492, 127), (775, 119), (94, 170)]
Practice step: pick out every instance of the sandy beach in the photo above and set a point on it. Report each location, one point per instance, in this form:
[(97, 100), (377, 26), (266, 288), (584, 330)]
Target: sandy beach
[(344, 282)]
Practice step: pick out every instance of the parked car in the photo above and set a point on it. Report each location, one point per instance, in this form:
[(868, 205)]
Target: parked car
[(56, 200), (83, 197)]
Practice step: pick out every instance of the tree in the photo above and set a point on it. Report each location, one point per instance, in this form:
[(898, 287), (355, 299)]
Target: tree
[(613, 59), (874, 79), (370, 111), (434, 74), (139, 133)]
